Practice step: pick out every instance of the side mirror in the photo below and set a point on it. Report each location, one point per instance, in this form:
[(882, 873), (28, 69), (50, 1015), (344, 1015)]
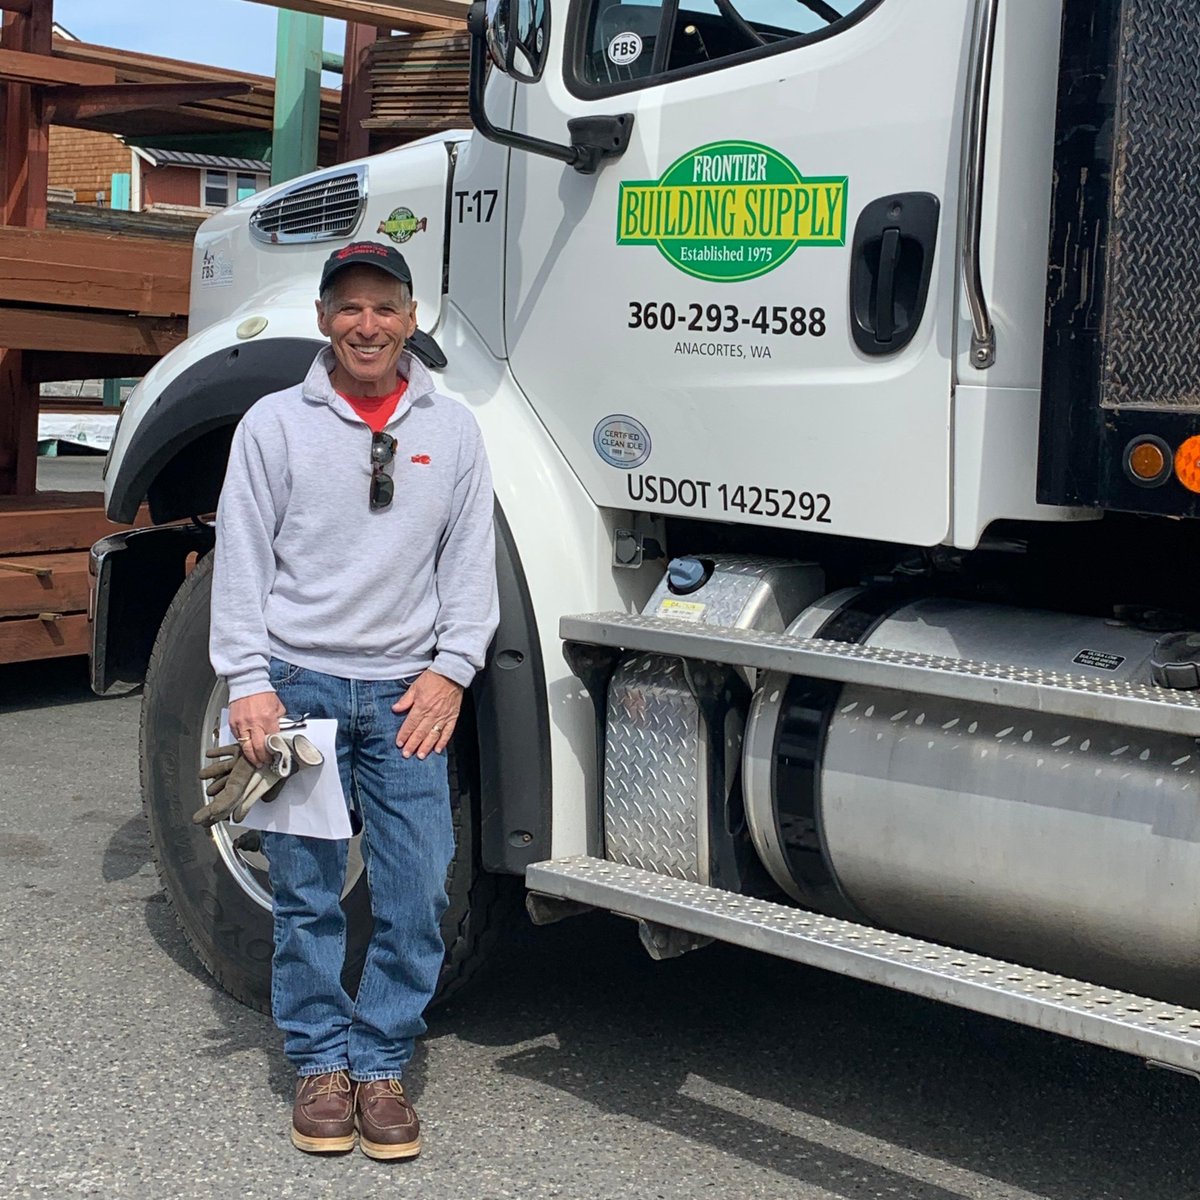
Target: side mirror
[(518, 37), (515, 36)]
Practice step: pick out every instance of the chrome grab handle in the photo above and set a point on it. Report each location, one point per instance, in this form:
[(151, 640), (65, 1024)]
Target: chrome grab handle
[(983, 333)]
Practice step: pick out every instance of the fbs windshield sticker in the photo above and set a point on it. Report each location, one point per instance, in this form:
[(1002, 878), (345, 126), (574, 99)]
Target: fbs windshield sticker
[(732, 210), (624, 49)]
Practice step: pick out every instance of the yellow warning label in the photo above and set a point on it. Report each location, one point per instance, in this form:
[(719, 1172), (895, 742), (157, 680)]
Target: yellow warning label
[(681, 610)]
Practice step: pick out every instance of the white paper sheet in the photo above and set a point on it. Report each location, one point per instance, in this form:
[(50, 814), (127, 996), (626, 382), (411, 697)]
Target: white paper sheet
[(94, 430), (311, 802)]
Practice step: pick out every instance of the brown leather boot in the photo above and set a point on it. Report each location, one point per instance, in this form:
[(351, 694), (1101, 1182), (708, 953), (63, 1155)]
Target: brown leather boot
[(323, 1114), (387, 1123)]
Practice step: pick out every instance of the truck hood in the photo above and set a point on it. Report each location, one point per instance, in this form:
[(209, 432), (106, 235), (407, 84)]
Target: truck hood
[(397, 197)]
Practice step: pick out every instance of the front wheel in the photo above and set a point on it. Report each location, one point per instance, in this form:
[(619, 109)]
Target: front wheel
[(217, 882)]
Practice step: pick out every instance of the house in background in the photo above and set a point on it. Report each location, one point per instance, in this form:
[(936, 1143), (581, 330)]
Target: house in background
[(192, 154), (82, 164), (174, 179)]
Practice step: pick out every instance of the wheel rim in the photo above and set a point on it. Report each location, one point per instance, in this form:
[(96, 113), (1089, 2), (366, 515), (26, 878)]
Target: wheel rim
[(248, 868)]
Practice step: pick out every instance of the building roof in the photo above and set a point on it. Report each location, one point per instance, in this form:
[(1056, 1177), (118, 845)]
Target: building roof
[(185, 158), (250, 113)]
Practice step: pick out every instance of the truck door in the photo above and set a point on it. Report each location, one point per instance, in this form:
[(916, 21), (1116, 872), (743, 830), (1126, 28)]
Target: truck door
[(750, 315)]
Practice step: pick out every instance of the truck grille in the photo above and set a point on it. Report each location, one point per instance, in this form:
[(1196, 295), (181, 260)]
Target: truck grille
[(318, 210)]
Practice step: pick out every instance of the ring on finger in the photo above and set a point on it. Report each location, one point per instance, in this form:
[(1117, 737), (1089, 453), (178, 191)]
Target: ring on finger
[(437, 729)]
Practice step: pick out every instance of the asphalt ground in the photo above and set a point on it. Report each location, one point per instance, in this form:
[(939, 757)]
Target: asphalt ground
[(578, 1069), (70, 473)]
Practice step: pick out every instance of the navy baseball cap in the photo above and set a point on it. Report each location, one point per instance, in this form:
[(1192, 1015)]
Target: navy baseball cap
[(370, 254)]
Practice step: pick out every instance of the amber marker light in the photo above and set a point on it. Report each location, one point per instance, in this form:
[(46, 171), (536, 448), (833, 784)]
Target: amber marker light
[(1187, 464), (1148, 461)]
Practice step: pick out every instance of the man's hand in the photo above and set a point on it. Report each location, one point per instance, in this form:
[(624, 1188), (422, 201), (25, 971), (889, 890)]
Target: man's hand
[(431, 708), (235, 785), (251, 719)]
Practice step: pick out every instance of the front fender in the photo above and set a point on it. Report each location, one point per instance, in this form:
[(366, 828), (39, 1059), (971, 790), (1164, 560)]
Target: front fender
[(176, 455)]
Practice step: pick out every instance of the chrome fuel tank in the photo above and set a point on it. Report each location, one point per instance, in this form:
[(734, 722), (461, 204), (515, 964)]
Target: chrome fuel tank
[(1045, 840)]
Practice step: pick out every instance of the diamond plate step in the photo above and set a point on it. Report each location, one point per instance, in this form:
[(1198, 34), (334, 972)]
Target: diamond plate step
[(1163, 1033), (1139, 706)]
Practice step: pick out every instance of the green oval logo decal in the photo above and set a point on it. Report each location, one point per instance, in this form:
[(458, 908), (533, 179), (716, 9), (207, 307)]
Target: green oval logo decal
[(731, 211), (402, 224)]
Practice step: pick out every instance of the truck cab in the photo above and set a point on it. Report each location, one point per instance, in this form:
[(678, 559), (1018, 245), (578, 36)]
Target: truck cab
[(833, 361)]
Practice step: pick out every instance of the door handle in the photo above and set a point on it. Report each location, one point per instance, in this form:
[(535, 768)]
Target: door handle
[(885, 285), (891, 267)]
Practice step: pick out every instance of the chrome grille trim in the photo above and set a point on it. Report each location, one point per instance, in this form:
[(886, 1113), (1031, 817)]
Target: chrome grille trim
[(328, 208)]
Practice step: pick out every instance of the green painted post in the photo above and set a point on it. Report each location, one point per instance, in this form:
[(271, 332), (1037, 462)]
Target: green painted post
[(298, 52)]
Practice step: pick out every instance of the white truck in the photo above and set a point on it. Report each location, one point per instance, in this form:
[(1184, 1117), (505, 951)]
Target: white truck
[(837, 365)]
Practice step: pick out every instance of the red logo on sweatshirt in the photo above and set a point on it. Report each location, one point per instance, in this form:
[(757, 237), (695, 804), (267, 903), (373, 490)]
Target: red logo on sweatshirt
[(422, 459)]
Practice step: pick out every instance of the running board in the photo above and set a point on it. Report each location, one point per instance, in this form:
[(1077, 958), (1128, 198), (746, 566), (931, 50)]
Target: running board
[(1164, 1034), (1139, 706)]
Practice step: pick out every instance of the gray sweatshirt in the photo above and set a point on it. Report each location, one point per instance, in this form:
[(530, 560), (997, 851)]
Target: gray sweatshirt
[(307, 572)]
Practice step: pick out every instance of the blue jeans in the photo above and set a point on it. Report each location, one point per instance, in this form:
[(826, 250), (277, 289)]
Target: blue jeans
[(407, 844)]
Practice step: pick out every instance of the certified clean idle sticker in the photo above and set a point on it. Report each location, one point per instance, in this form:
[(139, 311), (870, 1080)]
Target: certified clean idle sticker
[(732, 210), (624, 49), (622, 441)]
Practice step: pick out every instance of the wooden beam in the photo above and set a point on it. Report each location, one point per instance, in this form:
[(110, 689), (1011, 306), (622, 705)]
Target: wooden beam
[(56, 521), (89, 270), (17, 66), (67, 105), (24, 7), (24, 137), (414, 15), (80, 284), (37, 164), (26, 639), (353, 140), (88, 332), (36, 583), (18, 427), (15, 118)]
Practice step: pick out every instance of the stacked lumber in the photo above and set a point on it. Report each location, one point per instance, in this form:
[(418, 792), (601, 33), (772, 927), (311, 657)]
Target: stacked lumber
[(87, 218), (419, 84), (44, 573), (63, 291)]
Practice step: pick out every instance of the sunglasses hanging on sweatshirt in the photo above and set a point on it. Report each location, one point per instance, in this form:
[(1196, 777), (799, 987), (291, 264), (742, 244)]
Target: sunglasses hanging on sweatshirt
[(383, 487)]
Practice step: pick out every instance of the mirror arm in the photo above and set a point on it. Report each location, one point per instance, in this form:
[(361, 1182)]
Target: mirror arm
[(593, 138)]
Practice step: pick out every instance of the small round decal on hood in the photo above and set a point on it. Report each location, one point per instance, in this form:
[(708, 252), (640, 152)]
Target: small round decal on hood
[(622, 441)]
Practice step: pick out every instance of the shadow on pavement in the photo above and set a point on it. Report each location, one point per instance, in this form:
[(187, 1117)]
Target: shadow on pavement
[(832, 1083), (127, 851), (679, 1044), (46, 684), (237, 1028)]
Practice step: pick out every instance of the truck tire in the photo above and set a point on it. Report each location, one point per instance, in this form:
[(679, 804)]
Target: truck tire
[(218, 892)]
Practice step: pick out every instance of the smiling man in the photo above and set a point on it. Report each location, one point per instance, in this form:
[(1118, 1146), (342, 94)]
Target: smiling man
[(354, 579)]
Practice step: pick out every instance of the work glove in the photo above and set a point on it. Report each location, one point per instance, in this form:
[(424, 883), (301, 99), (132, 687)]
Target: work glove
[(235, 784)]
